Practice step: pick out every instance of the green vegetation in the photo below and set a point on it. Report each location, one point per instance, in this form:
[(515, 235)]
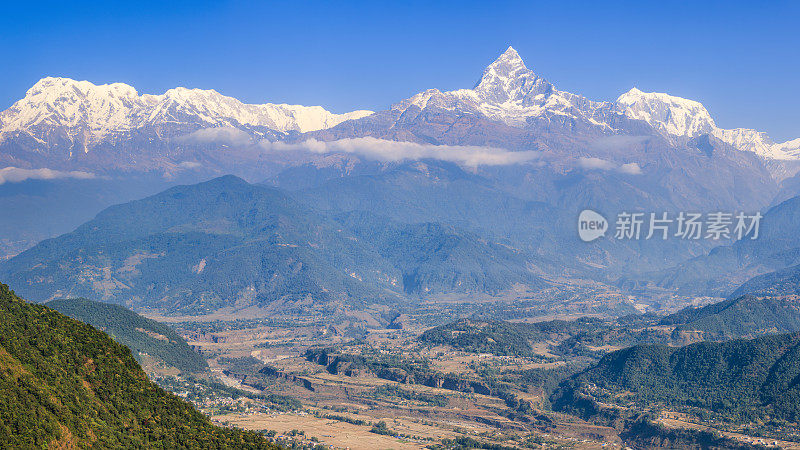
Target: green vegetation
[(394, 391), (540, 380), (202, 391), (745, 316), (391, 367), (500, 338), (138, 333), (382, 429), (643, 433), (65, 383), (779, 283), (516, 339), (740, 380), (466, 442)]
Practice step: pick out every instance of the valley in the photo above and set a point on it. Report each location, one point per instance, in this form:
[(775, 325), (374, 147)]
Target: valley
[(496, 383), (422, 263)]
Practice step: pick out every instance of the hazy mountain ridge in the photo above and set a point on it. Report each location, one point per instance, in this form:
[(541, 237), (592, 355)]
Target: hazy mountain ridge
[(226, 243), (643, 152), (725, 268), (739, 317)]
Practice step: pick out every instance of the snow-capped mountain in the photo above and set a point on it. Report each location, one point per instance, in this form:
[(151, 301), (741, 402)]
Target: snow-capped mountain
[(89, 114), (62, 118), (676, 116), (511, 93)]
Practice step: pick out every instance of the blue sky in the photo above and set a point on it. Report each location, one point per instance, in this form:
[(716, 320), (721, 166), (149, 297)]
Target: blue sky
[(741, 59)]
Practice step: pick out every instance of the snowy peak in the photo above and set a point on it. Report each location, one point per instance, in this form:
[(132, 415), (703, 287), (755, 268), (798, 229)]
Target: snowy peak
[(90, 114), (62, 111), (507, 65), (676, 116), (70, 104), (666, 113), (511, 93), (507, 79), (57, 85)]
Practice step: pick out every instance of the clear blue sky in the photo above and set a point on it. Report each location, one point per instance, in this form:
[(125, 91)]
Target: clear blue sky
[(741, 59)]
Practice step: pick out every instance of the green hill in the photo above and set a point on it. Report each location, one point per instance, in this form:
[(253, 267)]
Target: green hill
[(516, 339), (140, 334), (745, 316), (778, 283), (739, 379), (65, 384)]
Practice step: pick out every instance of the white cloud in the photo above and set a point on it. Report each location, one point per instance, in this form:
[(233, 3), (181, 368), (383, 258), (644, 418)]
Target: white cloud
[(16, 175), (631, 169), (595, 163), (189, 165), (219, 135), (618, 142), (384, 150), (602, 164)]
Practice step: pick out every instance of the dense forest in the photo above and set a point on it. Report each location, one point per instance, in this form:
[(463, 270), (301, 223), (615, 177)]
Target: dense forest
[(743, 380), (517, 339), (65, 383), (140, 334), (744, 316)]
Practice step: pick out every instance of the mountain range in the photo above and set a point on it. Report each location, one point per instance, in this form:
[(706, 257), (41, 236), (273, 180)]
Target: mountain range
[(229, 244), (419, 190), (61, 119)]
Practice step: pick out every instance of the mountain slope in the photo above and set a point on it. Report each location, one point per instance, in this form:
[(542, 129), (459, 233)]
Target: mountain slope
[(784, 282), (142, 335), (226, 243), (201, 247), (738, 379), (510, 94), (66, 384), (533, 207), (744, 316), (721, 271), (88, 114)]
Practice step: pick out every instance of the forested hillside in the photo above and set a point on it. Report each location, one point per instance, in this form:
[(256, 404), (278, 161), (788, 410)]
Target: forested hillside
[(741, 379), (65, 384), (745, 316), (140, 334)]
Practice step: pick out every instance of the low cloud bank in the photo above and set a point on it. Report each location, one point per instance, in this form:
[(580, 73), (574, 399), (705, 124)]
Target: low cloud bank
[(383, 150), (189, 165), (602, 164), (618, 143), (220, 135), (17, 175)]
